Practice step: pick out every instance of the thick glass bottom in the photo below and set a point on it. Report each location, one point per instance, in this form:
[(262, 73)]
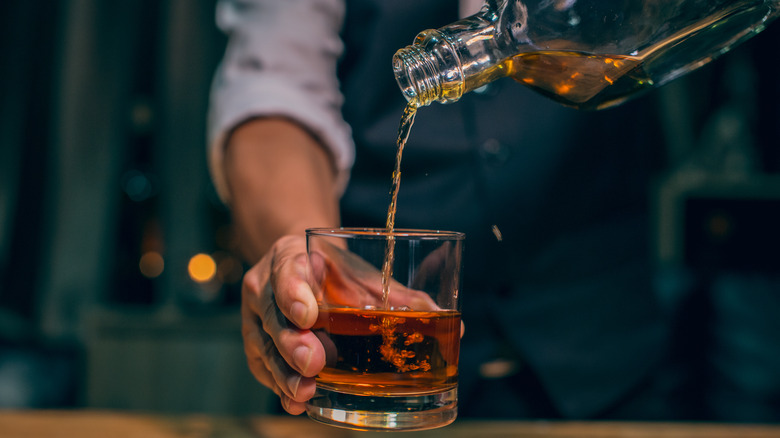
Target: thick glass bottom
[(399, 412)]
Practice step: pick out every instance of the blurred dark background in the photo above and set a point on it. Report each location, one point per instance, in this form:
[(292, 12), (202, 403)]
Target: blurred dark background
[(105, 202)]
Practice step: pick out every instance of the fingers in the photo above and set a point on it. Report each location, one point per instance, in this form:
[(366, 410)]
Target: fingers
[(354, 281), (289, 273), (270, 369), (277, 308)]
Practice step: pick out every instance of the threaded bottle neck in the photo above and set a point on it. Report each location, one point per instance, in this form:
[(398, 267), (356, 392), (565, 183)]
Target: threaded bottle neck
[(429, 70), (417, 75)]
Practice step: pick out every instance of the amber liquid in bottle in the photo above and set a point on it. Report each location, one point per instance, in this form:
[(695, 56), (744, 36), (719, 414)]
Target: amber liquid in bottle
[(595, 81), (575, 79), (580, 80)]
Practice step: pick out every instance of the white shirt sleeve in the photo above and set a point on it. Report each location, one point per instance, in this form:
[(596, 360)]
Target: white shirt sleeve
[(280, 60)]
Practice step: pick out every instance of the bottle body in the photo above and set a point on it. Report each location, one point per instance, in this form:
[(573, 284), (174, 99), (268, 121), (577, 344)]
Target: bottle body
[(585, 54)]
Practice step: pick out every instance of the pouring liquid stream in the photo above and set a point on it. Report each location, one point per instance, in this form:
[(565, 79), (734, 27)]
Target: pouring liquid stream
[(407, 120)]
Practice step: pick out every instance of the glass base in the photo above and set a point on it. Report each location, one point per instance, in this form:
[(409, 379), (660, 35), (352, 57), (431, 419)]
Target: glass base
[(400, 412)]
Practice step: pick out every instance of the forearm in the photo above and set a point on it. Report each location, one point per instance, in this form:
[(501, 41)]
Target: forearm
[(281, 181)]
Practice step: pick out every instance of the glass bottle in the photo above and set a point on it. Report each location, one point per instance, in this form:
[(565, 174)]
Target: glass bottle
[(588, 54)]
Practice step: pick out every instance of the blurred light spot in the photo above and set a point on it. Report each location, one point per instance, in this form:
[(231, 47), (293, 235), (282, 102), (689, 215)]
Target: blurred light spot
[(142, 115), (498, 369), (137, 185), (202, 268), (720, 226), (151, 264), (229, 268), (497, 233)]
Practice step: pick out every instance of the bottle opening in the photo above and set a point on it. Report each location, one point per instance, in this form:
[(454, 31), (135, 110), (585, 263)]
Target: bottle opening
[(402, 78), (417, 76)]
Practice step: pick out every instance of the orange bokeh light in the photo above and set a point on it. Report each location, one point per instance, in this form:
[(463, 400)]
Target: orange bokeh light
[(202, 268), (151, 264)]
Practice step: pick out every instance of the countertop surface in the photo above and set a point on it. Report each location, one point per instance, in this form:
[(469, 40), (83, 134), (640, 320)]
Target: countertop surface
[(91, 423)]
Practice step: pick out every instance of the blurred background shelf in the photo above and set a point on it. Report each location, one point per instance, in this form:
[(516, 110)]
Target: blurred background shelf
[(168, 362), (105, 199)]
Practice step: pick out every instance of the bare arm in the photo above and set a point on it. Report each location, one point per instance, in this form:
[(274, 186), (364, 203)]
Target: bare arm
[(276, 177), (281, 182)]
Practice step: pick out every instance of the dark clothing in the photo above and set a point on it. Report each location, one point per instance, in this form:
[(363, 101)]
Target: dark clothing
[(566, 294)]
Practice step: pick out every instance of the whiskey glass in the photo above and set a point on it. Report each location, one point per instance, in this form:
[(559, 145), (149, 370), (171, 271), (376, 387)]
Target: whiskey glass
[(391, 346)]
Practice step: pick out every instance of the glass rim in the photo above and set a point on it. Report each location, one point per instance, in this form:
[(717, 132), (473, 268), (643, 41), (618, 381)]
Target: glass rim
[(383, 233)]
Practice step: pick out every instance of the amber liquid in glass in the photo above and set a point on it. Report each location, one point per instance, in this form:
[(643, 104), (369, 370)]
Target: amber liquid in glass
[(385, 352)]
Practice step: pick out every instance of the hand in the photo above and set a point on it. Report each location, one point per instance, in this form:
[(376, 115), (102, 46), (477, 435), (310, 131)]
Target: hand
[(277, 310), (353, 282)]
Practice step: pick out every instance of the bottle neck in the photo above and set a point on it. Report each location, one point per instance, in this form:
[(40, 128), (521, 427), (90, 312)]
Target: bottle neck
[(429, 70), (443, 64)]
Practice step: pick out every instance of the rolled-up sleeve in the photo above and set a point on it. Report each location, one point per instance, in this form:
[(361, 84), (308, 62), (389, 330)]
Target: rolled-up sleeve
[(280, 60)]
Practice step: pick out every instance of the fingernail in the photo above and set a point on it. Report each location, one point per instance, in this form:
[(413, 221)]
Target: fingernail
[(292, 383), (302, 357), (299, 312)]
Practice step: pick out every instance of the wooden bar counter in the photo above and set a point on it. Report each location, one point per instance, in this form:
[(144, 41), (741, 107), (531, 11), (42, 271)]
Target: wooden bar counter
[(89, 424)]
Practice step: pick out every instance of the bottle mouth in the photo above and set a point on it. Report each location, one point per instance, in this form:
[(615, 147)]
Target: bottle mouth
[(416, 75)]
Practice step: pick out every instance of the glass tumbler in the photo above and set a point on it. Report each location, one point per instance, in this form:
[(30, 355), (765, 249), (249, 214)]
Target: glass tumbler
[(389, 320)]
